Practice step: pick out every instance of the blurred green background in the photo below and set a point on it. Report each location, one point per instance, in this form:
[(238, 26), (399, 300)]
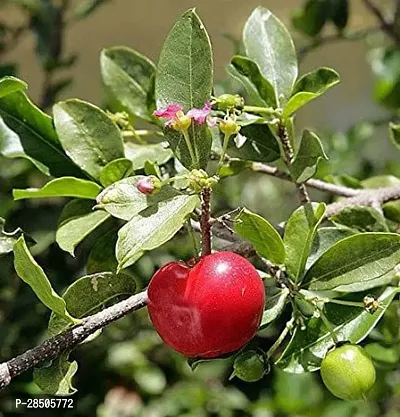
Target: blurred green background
[(128, 371)]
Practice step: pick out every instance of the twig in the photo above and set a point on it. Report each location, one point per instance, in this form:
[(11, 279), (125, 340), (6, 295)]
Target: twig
[(289, 156), (205, 225), (386, 24), (313, 183), (350, 36), (53, 347)]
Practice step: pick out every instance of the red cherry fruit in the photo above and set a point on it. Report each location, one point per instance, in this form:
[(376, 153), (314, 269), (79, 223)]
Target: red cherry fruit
[(213, 308)]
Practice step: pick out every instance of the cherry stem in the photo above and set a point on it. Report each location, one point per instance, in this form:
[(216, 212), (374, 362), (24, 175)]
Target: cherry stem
[(347, 303), (281, 338), (223, 153), (329, 326), (205, 225)]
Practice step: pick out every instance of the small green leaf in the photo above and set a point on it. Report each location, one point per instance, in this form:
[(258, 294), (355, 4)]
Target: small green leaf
[(382, 354), (340, 13), (153, 227), (269, 44), (261, 145), (88, 135), (233, 167), (309, 346), (27, 132), (363, 219), (312, 18), (30, 272), (8, 239), (354, 261), (123, 200), (61, 187), (394, 134), (274, 306), (309, 87), (139, 154), (185, 76), (116, 170), (261, 234), (248, 73), (299, 235), (89, 293), (56, 379), (309, 154), (77, 221), (9, 85), (102, 255), (324, 239), (127, 76)]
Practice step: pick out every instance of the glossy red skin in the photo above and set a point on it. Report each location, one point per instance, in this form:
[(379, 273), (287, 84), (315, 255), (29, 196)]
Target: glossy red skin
[(208, 310)]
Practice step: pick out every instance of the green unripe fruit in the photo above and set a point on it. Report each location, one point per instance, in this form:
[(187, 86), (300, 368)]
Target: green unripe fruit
[(249, 366), (229, 101), (348, 372)]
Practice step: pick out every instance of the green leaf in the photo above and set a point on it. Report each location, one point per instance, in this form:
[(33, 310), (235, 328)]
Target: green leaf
[(261, 145), (248, 73), (77, 221), (185, 76), (88, 135), (30, 272), (324, 239), (8, 239), (274, 306), (394, 134), (299, 235), (354, 261), (89, 293), (340, 13), (309, 154), (382, 354), (363, 219), (270, 45), (233, 167), (309, 87), (309, 346), (153, 227), (127, 76), (61, 187), (27, 132), (312, 18), (56, 379), (139, 154), (116, 170), (261, 234), (9, 85), (123, 200), (102, 255)]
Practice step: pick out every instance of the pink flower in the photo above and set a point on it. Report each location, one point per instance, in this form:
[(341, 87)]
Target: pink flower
[(175, 116), (201, 116), (169, 113)]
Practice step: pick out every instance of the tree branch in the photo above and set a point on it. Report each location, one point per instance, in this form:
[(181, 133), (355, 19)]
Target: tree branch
[(205, 221), (289, 156), (53, 347), (386, 25), (313, 183)]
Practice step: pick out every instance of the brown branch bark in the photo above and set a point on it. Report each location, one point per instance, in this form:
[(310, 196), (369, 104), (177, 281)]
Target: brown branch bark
[(205, 221), (386, 24), (53, 347)]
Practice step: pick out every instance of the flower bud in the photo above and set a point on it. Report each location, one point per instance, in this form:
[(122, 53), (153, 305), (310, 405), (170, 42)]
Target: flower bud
[(229, 127), (182, 122), (229, 101), (149, 185)]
